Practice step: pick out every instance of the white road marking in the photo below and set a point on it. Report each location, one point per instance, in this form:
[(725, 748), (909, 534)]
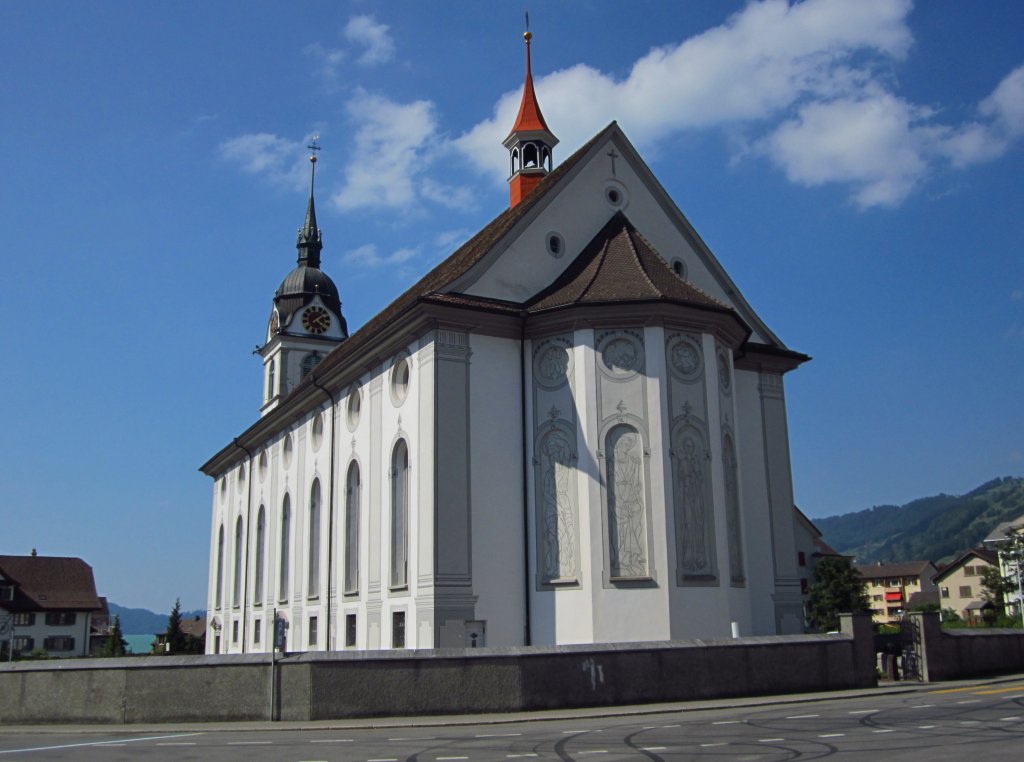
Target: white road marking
[(97, 743), (770, 740), (720, 743), (802, 716), (592, 751), (1009, 719), (332, 740), (831, 735), (177, 743), (865, 711), (970, 701), (925, 727), (922, 706), (496, 735), (650, 727), (250, 743), (412, 738), (652, 748), (887, 730), (440, 758), (727, 722), (670, 726), (970, 722), (383, 759), (566, 732), (518, 756)]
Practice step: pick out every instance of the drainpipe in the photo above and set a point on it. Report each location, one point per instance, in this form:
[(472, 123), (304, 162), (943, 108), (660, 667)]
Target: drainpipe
[(330, 516), (248, 515), (527, 639)]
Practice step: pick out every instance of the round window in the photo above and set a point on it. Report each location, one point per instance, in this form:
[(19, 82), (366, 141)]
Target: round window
[(286, 450), (354, 404), (400, 380), (556, 245), (615, 195), (316, 430)]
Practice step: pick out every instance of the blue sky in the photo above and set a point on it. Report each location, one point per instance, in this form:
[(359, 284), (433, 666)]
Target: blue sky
[(856, 167)]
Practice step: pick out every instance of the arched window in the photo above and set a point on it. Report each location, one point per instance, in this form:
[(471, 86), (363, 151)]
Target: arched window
[(286, 546), (220, 567), (399, 515), (270, 379), (530, 156), (515, 160), (352, 529), (309, 362), (257, 593), (314, 539), (236, 588)]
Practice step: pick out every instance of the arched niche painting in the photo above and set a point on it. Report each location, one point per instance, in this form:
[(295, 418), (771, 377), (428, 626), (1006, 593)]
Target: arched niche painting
[(692, 504), (557, 533), (627, 504), (732, 510)]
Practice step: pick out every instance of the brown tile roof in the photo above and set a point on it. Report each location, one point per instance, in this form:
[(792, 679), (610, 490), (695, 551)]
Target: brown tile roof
[(51, 582), (620, 265), (904, 569)]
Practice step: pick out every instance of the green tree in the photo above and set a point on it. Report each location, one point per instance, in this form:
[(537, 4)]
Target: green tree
[(174, 637), (115, 644), (995, 587), (837, 589)]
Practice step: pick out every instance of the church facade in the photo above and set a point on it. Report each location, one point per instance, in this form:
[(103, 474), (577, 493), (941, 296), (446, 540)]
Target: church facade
[(572, 430)]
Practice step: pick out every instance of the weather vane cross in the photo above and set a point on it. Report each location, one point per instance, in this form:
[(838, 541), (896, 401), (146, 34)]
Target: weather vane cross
[(314, 146)]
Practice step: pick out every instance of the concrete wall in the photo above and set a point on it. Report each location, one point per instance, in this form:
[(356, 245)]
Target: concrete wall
[(950, 654), (366, 684)]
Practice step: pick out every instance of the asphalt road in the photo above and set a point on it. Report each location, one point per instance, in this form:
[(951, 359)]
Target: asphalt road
[(979, 722)]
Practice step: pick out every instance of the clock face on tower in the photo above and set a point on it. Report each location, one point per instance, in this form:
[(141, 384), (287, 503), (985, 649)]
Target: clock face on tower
[(316, 319)]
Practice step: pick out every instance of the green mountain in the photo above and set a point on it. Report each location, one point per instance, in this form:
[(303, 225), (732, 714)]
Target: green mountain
[(144, 621), (931, 528)]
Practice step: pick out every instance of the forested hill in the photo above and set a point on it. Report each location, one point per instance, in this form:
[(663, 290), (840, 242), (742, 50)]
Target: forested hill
[(931, 528), (144, 621)]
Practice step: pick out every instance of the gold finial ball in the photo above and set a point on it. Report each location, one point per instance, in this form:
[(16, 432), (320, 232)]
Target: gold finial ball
[(527, 36), (312, 158)]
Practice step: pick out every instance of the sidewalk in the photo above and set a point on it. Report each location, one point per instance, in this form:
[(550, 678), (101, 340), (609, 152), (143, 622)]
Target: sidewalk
[(884, 688)]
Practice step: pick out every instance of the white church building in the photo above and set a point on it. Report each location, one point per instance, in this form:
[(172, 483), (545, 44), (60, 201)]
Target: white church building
[(572, 430)]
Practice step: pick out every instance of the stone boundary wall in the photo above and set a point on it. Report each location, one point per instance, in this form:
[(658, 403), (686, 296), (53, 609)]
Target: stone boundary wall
[(316, 686), (951, 654)]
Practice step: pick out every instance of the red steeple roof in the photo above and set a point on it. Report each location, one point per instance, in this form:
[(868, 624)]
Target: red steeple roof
[(530, 119)]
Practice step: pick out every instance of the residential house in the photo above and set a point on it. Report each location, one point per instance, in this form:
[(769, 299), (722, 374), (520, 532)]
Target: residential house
[(50, 602), (959, 583), (890, 587), (810, 549)]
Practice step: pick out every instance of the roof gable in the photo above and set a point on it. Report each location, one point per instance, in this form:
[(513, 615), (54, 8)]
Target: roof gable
[(605, 177)]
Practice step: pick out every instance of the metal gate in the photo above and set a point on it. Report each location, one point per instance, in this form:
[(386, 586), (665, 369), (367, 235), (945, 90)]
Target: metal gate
[(910, 637)]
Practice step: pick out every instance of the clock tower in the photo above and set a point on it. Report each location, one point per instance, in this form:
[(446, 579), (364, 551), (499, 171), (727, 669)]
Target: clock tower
[(306, 321)]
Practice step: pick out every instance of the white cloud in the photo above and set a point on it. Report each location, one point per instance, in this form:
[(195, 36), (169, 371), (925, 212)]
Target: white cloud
[(388, 152), (329, 59), (453, 197), (757, 64), (282, 161), (374, 37), (805, 84), (368, 256)]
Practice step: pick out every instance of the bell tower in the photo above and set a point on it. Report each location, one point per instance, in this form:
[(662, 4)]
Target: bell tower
[(530, 142), (306, 321)]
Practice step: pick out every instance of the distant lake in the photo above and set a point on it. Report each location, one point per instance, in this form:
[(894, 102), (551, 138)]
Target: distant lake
[(140, 644)]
